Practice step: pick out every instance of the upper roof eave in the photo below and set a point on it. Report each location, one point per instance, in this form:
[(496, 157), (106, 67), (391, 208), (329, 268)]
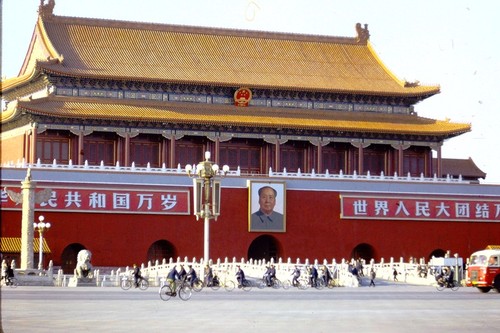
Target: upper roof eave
[(229, 115), (58, 69)]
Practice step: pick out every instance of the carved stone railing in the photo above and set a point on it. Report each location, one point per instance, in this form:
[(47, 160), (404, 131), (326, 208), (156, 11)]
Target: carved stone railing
[(157, 272), (237, 173)]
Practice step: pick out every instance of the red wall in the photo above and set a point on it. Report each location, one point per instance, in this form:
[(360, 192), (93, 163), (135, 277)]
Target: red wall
[(314, 231)]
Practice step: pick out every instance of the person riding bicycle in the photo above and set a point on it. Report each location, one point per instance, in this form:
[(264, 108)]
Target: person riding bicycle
[(9, 274), (137, 275), (451, 278), (445, 278), (327, 276), (240, 276), (182, 273), (266, 274), (296, 275), (192, 277), (172, 276), (270, 275), (313, 278), (209, 276)]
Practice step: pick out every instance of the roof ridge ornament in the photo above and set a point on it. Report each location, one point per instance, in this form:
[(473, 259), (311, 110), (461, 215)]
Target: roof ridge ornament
[(46, 10), (363, 33)]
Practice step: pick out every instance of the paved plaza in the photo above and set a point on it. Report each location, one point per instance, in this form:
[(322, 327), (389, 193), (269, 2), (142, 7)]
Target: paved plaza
[(385, 308)]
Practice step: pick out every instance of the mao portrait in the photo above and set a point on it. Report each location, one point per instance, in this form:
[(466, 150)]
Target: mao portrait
[(267, 207)]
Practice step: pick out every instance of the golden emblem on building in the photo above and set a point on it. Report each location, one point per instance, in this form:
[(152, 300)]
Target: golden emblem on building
[(242, 97)]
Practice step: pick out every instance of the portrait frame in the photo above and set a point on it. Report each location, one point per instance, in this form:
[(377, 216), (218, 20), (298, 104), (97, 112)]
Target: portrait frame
[(257, 222)]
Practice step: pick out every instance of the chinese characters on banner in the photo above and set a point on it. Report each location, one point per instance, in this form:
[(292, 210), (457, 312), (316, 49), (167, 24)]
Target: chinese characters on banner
[(420, 208), (175, 202)]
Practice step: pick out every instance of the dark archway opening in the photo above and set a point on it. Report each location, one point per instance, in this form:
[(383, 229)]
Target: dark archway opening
[(264, 247), (437, 253), (160, 250), (69, 257), (363, 251)]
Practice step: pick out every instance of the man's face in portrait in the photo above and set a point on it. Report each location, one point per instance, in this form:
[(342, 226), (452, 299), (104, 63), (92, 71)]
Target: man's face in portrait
[(267, 200)]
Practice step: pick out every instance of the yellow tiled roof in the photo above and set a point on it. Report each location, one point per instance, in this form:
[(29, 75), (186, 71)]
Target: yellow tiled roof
[(13, 245), (96, 48), (229, 115)]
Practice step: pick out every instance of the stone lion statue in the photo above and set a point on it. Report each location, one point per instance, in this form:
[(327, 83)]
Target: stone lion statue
[(83, 267)]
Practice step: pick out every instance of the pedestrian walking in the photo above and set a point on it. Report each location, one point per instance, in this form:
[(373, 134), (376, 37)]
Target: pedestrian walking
[(372, 277), (395, 274)]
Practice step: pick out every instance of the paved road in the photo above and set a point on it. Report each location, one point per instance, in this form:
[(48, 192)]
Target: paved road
[(385, 308)]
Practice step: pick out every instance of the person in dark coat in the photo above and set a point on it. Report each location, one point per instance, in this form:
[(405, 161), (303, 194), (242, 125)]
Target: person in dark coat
[(182, 273), (313, 278), (191, 275), (296, 275), (137, 275), (372, 277), (240, 276), (209, 275), (327, 276), (270, 275)]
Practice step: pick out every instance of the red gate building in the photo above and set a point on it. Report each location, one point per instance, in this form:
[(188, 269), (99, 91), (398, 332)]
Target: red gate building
[(107, 114)]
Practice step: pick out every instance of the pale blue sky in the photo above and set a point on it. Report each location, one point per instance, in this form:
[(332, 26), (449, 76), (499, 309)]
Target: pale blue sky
[(453, 43)]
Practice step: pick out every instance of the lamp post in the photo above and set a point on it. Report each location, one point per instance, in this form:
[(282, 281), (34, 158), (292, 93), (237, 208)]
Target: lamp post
[(206, 195), (41, 227)]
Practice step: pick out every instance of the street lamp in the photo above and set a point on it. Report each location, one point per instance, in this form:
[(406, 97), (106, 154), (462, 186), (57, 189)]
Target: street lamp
[(206, 195), (41, 227)]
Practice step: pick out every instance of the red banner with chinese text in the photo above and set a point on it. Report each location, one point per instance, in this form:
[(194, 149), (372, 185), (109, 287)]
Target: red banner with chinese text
[(171, 202), (420, 208)]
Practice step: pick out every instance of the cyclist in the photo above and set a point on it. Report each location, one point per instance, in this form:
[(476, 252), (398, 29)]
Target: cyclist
[(9, 274), (191, 275), (172, 276), (327, 276), (447, 277), (240, 276), (270, 275), (182, 273), (296, 275), (209, 275), (313, 278), (137, 275)]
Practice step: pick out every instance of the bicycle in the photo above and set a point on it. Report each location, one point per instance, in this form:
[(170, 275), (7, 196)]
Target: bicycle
[(443, 284), (319, 284), (332, 284), (11, 282), (228, 285), (182, 288), (127, 283), (303, 283), (246, 285), (275, 283)]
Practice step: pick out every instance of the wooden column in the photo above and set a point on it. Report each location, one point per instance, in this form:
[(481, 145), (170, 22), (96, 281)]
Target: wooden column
[(400, 160), (319, 158), (216, 158), (401, 147), (126, 151), (439, 162), (171, 158), (361, 146), (81, 152), (32, 144)]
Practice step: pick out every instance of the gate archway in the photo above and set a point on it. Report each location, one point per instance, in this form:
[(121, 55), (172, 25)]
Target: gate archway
[(69, 257), (264, 247), (161, 249), (437, 253), (363, 251)]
